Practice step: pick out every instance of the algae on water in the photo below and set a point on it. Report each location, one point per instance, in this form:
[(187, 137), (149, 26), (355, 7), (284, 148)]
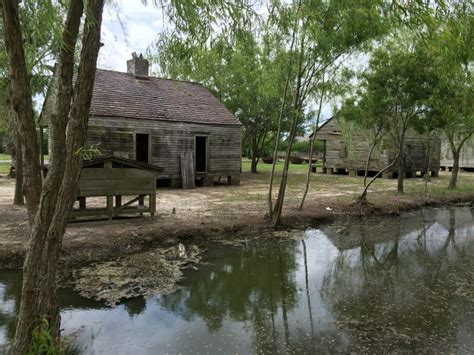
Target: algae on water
[(144, 274)]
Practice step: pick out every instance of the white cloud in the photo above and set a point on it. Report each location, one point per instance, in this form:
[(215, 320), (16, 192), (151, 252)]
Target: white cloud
[(127, 27)]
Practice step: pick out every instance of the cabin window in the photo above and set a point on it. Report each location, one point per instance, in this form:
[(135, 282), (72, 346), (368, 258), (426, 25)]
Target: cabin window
[(343, 150), (201, 153), (142, 147)]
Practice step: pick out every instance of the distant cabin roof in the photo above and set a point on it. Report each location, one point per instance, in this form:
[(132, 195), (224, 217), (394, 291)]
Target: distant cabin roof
[(118, 94), (320, 127)]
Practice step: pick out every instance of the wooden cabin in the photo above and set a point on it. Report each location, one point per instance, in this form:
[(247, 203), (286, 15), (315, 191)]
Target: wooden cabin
[(466, 159), (345, 151), (177, 125)]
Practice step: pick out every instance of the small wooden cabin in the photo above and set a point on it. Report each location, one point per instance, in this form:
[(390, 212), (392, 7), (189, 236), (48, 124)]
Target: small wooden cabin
[(466, 159), (158, 121), (345, 150)]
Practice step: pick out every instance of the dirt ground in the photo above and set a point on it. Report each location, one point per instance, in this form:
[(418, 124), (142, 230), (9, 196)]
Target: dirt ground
[(221, 214)]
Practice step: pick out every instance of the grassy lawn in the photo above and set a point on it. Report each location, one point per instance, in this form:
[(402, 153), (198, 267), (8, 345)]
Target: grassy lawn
[(8, 157), (4, 168), (340, 188), (266, 168)]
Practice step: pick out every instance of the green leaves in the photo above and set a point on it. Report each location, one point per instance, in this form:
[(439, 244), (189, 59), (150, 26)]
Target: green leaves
[(42, 27), (43, 342), (88, 153)]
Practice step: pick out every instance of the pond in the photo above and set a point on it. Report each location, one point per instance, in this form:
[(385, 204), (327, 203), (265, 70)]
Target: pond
[(394, 283)]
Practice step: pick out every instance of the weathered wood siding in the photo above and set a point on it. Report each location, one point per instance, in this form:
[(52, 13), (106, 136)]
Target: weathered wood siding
[(350, 151), (342, 152), (169, 139), (418, 147), (112, 182), (466, 159)]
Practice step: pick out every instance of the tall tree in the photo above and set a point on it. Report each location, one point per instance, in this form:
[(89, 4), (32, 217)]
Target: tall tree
[(423, 83), (460, 128), (244, 68), (326, 32), (364, 111), (312, 142), (50, 203), (396, 87), (449, 45), (41, 32)]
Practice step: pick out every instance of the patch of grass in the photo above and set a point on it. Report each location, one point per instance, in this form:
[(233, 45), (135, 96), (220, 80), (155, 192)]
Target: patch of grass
[(353, 186), (42, 342), (9, 157), (266, 168), (243, 197), (4, 168)]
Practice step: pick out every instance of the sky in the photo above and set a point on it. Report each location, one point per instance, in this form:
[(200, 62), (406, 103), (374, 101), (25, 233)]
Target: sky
[(127, 27), (130, 26)]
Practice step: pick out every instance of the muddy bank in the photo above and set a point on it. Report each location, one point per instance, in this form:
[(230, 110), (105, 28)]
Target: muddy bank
[(92, 242), (220, 214)]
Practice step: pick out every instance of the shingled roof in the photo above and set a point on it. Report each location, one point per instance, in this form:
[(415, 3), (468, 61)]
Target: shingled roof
[(118, 94)]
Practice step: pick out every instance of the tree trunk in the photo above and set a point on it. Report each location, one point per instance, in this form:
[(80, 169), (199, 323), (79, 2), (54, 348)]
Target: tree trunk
[(18, 198), (253, 165), (311, 149), (401, 171), (255, 157), (454, 175), (22, 105), (297, 106), (280, 116), (308, 174), (15, 147), (363, 196), (429, 153), (401, 167), (68, 132), (456, 150), (284, 178), (367, 162)]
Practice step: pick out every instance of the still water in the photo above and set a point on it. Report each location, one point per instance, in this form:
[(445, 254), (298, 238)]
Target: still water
[(389, 284)]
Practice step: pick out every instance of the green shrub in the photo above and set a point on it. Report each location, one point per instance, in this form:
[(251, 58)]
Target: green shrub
[(42, 342), (302, 147)]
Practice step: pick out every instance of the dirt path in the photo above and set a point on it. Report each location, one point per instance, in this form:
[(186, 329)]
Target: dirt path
[(212, 214)]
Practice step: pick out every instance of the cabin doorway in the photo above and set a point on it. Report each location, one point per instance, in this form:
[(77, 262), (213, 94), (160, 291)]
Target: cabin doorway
[(201, 154), (142, 147)]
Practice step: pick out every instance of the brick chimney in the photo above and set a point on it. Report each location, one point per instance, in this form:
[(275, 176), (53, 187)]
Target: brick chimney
[(138, 66)]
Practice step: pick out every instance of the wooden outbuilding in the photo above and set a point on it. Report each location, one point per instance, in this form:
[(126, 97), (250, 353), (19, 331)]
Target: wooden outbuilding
[(345, 151), (126, 185), (466, 159), (177, 125)]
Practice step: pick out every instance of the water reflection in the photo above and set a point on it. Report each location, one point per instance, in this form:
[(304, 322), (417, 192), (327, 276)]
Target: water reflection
[(412, 292), (388, 284), (10, 291)]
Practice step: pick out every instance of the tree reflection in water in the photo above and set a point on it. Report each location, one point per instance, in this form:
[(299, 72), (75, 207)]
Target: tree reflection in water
[(408, 293), (390, 284), (8, 301), (255, 286)]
